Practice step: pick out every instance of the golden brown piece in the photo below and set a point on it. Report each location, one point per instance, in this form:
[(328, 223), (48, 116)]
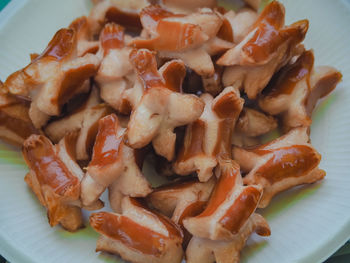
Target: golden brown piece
[(210, 135), (122, 12), (55, 181), (229, 207), (115, 74), (15, 124), (202, 250), (221, 230), (162, 107), (254, 123), (54, 76), (294, 91), (85, 42), (281, 164), (266, 48), (113, 164), (85, 120), (191, 38), (138, 234)]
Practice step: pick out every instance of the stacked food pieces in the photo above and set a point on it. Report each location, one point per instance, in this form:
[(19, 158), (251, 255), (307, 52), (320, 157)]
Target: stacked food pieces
[(191, 85)]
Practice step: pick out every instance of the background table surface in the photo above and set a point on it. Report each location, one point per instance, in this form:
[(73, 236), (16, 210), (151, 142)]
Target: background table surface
[(341, 256)]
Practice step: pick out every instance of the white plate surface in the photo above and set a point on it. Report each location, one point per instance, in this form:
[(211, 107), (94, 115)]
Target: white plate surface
[(308, 223)]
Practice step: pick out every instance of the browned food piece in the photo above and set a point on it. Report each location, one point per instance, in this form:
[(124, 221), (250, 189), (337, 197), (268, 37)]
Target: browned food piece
[(191, 38), (15, 124), (202, 250), (162, 107), (138, 234), (230, 205), (293, 93), (254, 123), (184, 6), (85, 120), (53, 77), (267, 47), (280, 164), (55, 180), (236, 26), (210, 135), (213, 84), (182, 199), (113, 164), (85, 41), (122, 12), (115, 74)]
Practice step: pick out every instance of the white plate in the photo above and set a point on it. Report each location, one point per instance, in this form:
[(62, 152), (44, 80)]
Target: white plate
[(308, 223)]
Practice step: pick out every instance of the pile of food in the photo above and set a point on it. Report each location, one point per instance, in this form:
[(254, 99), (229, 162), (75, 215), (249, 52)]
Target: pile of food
[(189, 83)]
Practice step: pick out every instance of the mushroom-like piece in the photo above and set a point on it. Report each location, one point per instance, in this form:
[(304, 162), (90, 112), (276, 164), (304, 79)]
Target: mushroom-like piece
[(138, 234), (184, 6), (230, 205), (266, 48), (210, 135), (162, 107), (57, 74), (115, 74), (191, 38), (112, 163), (85, 41), (280, 164), (294, 91), (254, 123), (15, 124), (202, 250), (122, 12), (54, 181)]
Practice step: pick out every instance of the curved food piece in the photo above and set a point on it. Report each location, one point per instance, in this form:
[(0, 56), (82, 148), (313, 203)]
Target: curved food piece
[(115, 74), (202, 250), (55, 76), (191, 38), (254, 123), (138, 234), (265, 49), (162, 107), (183, 6), (230, 205), (57, 129), (113, 164), (15, 124), (210, 135), (182, 199), (293, 93), (55, 182), (85, 41), (122, 12), (280, 164), (213, 84), (237, 25)]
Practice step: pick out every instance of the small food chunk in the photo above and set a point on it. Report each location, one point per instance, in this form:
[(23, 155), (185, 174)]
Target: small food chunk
[(281, 164), (138, 234), (293, 93), (266, 48), (210, 135), (162, 106)]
